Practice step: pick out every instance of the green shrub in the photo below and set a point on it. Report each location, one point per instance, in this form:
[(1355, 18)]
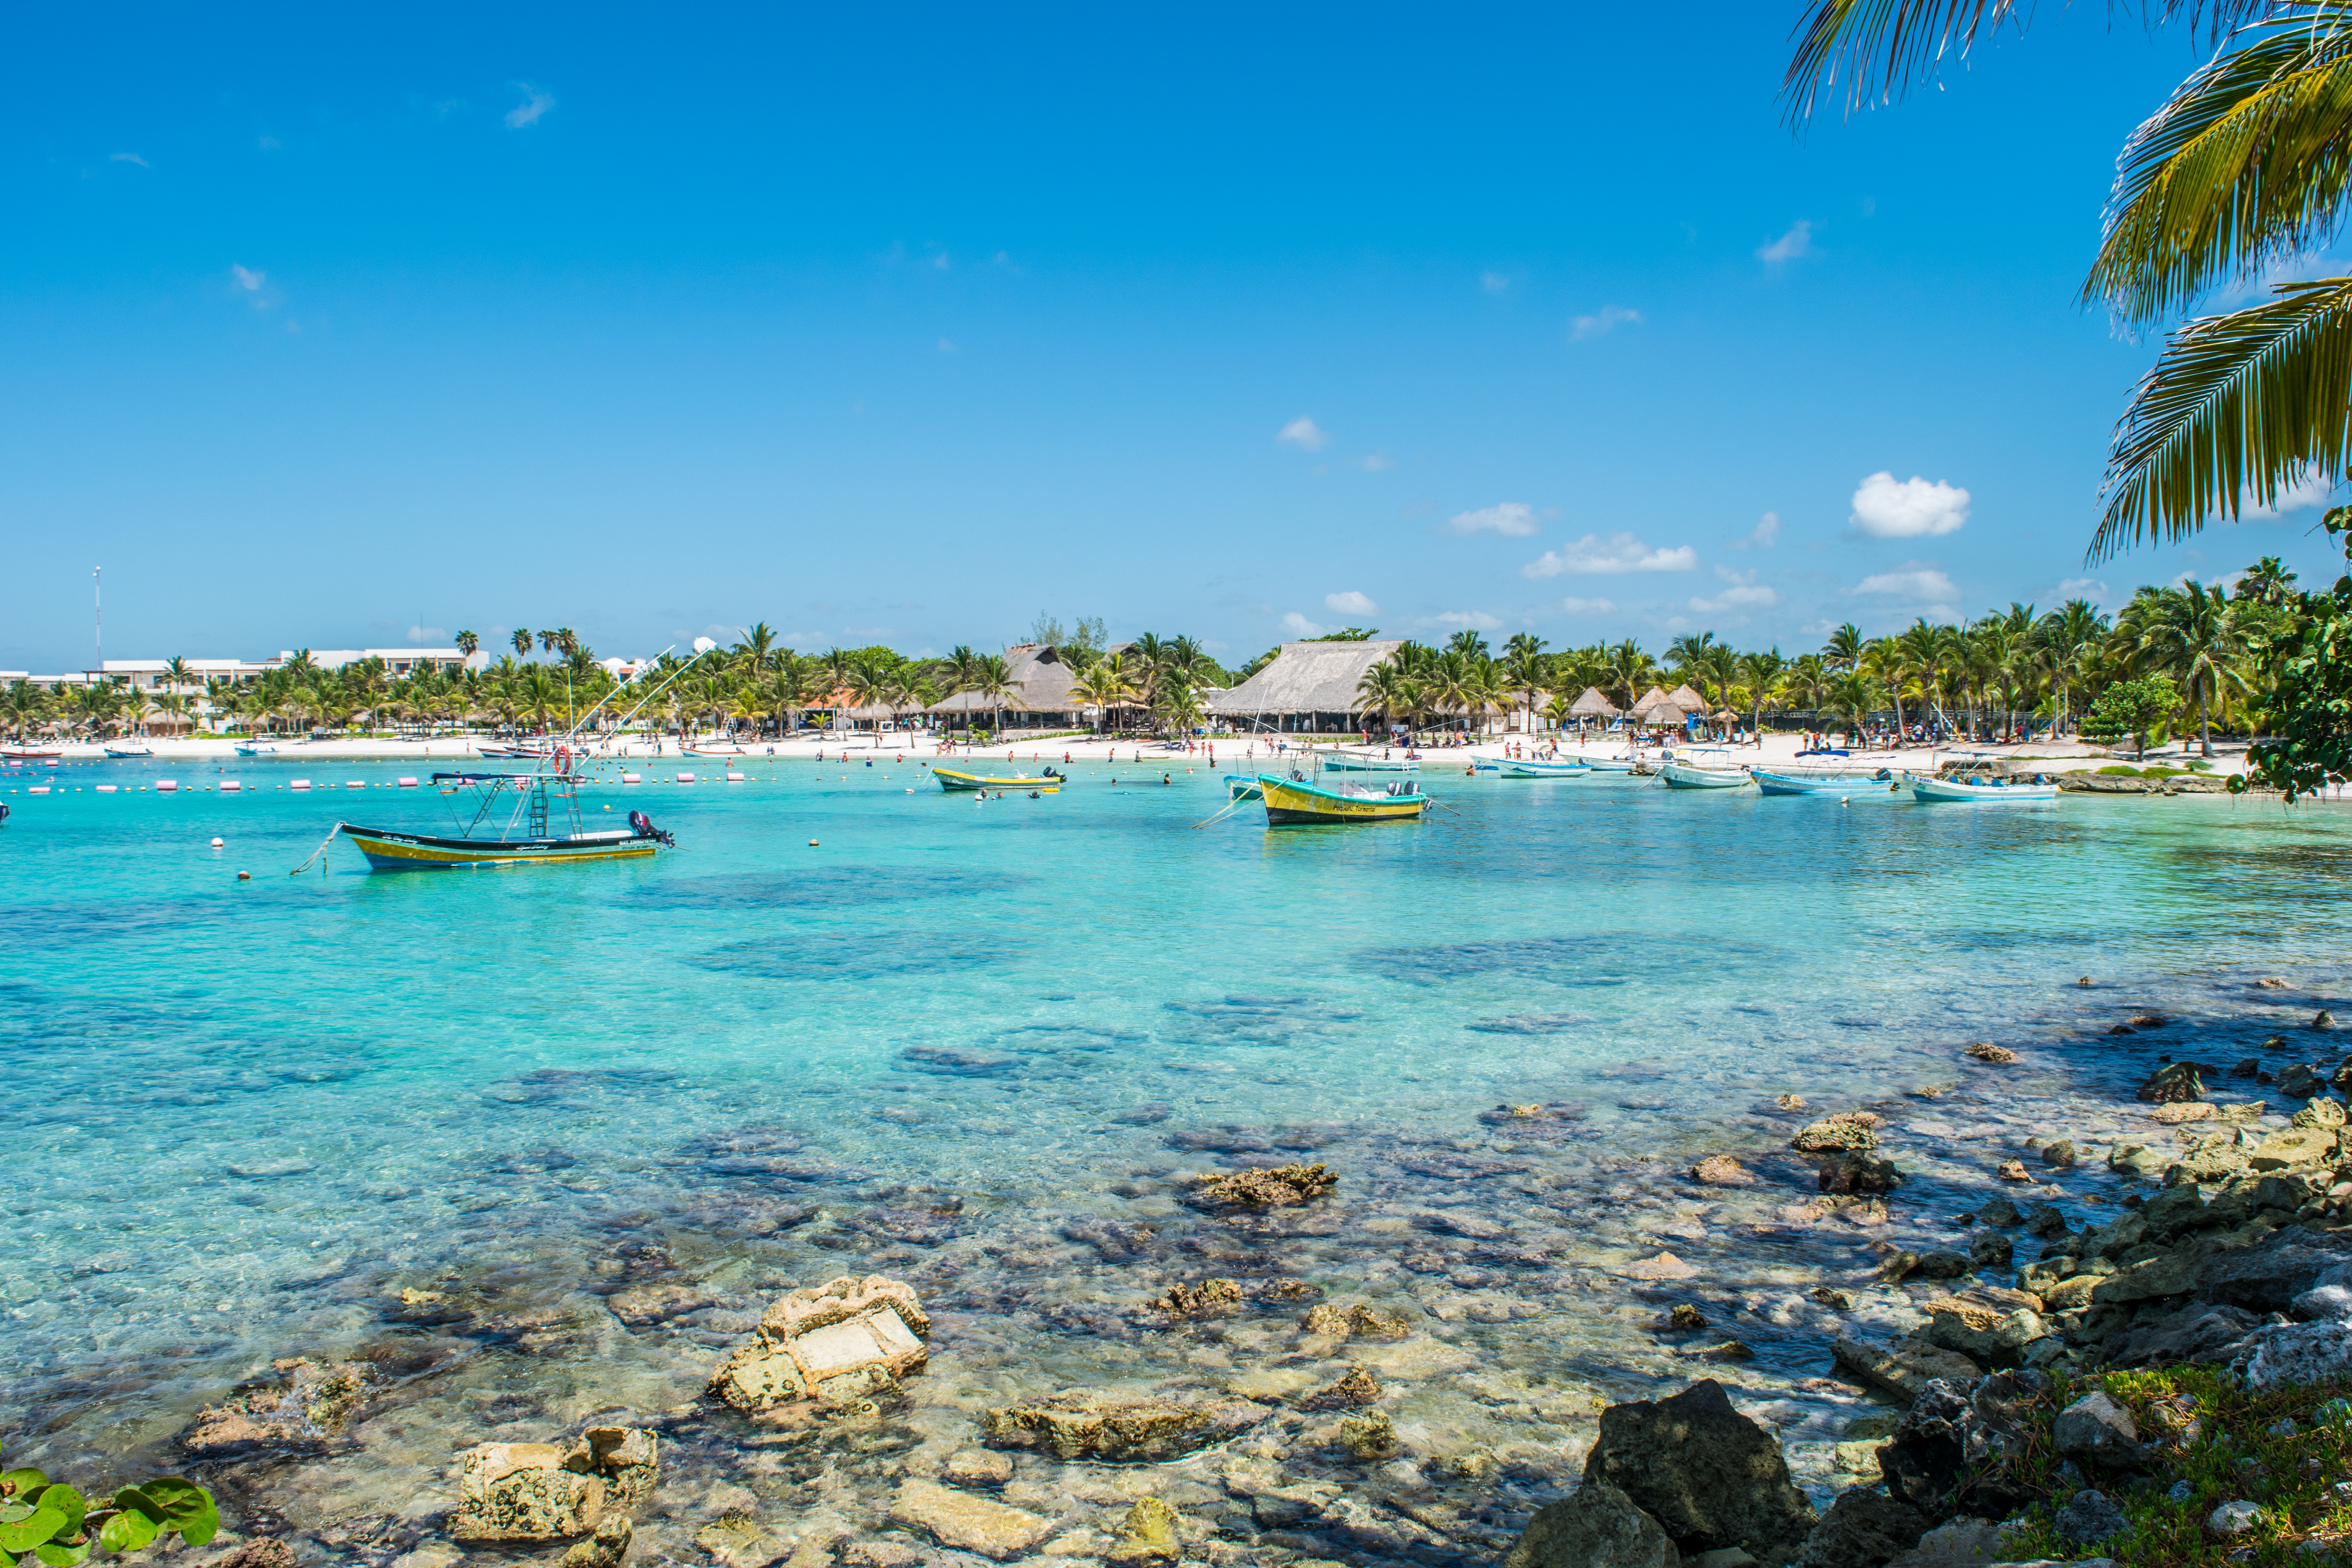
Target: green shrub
[(48, 1523)]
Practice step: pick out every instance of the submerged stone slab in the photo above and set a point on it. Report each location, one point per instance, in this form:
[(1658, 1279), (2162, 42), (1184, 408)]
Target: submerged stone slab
[(837, 1341), (968, 1523), (1081, 1425)]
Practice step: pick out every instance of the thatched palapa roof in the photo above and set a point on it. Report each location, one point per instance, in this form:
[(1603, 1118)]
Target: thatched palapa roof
[(1593, 705), (1307, 678), (1689, 702), (1656, 707), (1041, 681)]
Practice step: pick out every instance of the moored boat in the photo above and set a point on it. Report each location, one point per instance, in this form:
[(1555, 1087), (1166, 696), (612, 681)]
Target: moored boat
[(128, 749), (1342, 761), (1613, 764), (1820, 781), (27, 754), (2007, 791), (1691, 775), (1521, 769), (1295, 801), (951, 780), (1242, 787), (255, 748)]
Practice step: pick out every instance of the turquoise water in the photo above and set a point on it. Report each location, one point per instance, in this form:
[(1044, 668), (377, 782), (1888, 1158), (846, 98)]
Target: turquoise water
[(948, 1036)]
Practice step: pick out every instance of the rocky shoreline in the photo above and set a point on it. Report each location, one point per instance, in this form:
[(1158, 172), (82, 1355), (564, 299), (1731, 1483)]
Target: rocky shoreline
[(1306, 1347)]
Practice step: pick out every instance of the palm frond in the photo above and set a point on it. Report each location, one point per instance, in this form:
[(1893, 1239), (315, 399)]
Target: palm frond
[(1878, 45), (2237, 409), (2247, 163)]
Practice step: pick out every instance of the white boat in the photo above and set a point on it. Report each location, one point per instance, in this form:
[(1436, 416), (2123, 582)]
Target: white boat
[(1691, 775), (127, 749), (255, 748), (1822, 780), (1365, 763), (1612, 765), (714, 749), (1512, 768), (2006, 792)]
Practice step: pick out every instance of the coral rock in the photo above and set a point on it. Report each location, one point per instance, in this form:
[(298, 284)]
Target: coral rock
[(1355, 1388), (1078, 1425), (1196, 1300), (838, 1341), (1986, 1051), (1148, 1534), (1722, 1171), (1846, 1132), (1279, 1186)]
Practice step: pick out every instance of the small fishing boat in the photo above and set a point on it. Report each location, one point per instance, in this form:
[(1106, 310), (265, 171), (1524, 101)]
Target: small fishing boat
[(521, 834), (255, 748), (1239, 787), (1511, 769), (1613, 764), (1692, 776), (127, 749), (1820, 781), (713, 749), (23, 754), (1295, 801), (2007, 791), (951, 781), (1343, 761)]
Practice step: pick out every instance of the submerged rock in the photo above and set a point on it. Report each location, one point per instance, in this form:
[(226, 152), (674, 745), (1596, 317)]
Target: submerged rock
[(1276, 1186), (840, 1340), (1722, 1171), (1846, 1132), (605, 1549), (1709, 1476), (1355, 1388), (968, 1523), (308, 1403), (2173, 1082), (1148, 1534), (1986, 1051), (1597, 1526), (1369, 1438), (1080, 1425), (548, 1491), (1182, 1300)]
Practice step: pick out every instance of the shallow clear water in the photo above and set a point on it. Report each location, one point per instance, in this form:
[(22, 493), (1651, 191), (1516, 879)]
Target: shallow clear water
[(245, 1115)]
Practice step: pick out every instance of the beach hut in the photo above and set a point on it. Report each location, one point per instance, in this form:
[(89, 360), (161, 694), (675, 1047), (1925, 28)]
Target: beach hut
[(1689, 702), (1308, 686), (1042, 677), (1593, 705)]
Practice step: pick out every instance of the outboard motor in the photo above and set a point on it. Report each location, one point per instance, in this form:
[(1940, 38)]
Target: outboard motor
[(643, 825)]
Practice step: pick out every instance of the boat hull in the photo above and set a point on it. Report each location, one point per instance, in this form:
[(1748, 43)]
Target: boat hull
[(1939, 790), (390, 851), (1291, 803), (1243, 788), (952, 782), (1545, 770), (1798, 784), (1682, 776)]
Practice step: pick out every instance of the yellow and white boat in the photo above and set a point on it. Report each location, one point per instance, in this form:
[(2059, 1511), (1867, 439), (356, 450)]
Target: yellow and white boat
[(1050, 782), (1293, 801)]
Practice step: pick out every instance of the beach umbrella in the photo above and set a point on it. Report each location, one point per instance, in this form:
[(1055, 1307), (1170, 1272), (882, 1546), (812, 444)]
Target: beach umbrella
[(1593, 705)]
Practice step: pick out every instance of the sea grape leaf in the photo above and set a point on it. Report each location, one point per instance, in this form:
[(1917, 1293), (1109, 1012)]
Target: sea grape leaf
[(126, 1531), (28, 1533), (67, 1501), (11, 1512), (175, 1502), (22, 1481), (58, 1556)]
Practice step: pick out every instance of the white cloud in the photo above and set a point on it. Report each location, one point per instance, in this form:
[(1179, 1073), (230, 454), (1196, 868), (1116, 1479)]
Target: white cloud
[(1379, 463), (1613, 556), (1600, 321), (248, 279), (534, 104), (1576, 606), (2082, 588), (1475, 620), (947, 347), (1511, 519), (270, 143), (2310, 490), (128, 158), (1298, 625), (1304, 432), (1739, 596), (1493, 282), (1888, 508), (1350, 603), (1766, 535), (1913, 582), (1798, 241)]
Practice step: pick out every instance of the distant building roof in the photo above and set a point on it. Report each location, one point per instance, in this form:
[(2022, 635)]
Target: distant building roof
[(1042, 678), (1307, 677)]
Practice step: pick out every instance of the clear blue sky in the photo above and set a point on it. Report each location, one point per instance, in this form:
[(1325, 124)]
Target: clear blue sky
[(903, 325)]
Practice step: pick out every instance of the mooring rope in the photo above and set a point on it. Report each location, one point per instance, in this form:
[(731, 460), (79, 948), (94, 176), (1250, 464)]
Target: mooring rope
[(319, 852)]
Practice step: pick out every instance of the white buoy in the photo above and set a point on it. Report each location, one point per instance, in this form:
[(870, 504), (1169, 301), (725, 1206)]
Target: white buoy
[(217, 843)]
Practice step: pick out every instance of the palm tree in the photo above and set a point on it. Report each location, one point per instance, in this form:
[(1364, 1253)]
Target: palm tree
[(2190, 633), (758, 639), (1630, 669), (1106, 686), (1763, 674), (2240, 170), (1466, 643), (905, 689), (22, 704), (523, 642), (2266, 582), (468, 644), (1523, 671), (1843, 652), (1854, 696), (993, 679), (1385, 689)]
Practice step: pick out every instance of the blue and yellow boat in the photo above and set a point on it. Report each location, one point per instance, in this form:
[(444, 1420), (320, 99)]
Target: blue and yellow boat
[(1049, 782), (1290, 801)]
